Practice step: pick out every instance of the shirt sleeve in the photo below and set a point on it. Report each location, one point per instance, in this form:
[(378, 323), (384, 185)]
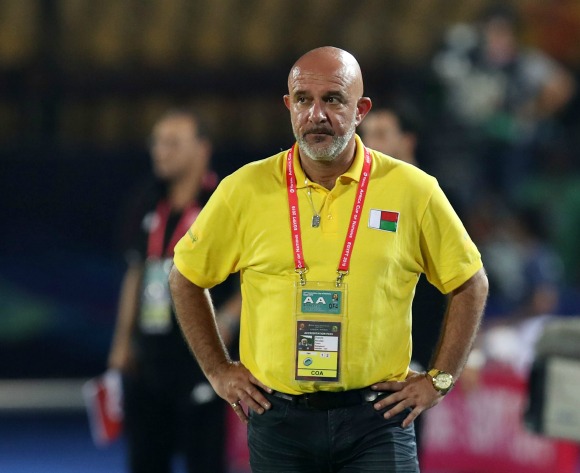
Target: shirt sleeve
[(210, 250), (450, 257)]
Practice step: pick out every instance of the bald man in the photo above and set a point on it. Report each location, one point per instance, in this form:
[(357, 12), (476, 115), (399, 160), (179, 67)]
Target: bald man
[(330, 239)]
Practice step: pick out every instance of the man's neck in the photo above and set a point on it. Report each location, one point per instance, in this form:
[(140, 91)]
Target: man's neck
[(325, 173), (182, 192), (409, 158)]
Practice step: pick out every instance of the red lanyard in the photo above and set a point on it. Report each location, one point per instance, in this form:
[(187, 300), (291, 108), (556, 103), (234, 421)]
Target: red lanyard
[(157, 234), (361, 193)]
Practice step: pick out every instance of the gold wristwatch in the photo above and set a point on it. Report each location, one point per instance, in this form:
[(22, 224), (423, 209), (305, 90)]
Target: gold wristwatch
[(442, 381)]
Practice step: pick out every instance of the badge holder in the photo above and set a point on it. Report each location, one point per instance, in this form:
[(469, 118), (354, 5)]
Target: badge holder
[(320, 315), (155, 313)]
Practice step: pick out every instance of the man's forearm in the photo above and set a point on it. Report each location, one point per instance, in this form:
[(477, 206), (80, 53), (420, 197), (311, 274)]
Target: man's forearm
[(462, 320), (120, 353), (195, 315)]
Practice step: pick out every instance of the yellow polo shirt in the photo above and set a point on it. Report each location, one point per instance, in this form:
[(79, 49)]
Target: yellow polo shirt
[(246, 227)]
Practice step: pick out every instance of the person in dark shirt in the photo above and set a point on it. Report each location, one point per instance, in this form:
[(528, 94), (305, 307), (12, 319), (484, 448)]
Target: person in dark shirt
[(394, 130), (169, 406)]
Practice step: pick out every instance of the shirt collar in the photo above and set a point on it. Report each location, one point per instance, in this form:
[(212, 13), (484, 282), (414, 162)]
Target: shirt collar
[(353, 172)]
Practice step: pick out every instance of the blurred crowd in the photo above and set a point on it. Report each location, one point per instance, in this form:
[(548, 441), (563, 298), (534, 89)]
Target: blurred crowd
[(497, 137), (501, 138)]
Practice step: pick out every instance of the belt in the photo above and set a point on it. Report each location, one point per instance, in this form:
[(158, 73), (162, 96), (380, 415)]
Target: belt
[(324, 400)]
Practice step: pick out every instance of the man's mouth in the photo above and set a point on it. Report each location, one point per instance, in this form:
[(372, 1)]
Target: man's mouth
[(319, 132)]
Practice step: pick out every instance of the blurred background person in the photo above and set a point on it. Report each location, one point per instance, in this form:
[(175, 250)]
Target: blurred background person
[(394, 130), (169, 407), (501, 98)]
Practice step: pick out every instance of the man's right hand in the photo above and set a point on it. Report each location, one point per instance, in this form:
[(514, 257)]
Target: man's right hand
[(234, 383)]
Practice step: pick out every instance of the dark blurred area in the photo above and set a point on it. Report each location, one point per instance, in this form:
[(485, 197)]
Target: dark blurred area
[(82, 82)]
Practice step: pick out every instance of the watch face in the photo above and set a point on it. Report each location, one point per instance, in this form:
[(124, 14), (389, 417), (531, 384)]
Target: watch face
[(443, 381)]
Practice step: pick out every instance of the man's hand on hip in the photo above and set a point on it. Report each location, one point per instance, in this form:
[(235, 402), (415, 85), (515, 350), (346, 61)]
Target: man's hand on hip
[(416, 392), (234, 383)]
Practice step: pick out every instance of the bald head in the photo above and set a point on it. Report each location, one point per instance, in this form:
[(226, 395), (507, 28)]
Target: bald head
[(326, 104), (329, 61)]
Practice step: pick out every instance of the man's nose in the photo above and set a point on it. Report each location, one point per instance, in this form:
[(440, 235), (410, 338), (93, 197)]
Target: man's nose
[(317, 112)]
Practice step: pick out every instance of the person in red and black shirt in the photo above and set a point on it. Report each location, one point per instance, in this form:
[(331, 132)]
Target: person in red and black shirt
[(169, 406)]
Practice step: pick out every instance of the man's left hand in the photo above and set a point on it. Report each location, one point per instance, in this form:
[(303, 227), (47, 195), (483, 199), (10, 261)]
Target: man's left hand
[(416, 392)]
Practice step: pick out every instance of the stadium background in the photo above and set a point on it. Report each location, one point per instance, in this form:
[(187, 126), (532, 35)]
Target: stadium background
[(81, 82)]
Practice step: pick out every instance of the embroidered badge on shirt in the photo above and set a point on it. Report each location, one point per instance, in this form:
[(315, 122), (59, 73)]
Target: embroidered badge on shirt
[(386, 220), (192, 237)]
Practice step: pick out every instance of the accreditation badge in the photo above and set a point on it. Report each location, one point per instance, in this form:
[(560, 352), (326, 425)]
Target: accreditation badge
[(320, 325), (155, 314)]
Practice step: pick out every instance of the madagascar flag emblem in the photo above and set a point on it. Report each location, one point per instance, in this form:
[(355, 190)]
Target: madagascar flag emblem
[(384, 220)]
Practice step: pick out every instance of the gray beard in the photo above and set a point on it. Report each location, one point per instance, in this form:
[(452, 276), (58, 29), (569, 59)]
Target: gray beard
[(327, 153)]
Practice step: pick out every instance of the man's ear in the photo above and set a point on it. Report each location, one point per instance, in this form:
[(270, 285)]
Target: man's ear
[(206, 146), (287, 101), (410, 143), (363, 106)]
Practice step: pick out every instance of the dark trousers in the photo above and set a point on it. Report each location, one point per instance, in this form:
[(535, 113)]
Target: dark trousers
[(162, 419), (290, 439)]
